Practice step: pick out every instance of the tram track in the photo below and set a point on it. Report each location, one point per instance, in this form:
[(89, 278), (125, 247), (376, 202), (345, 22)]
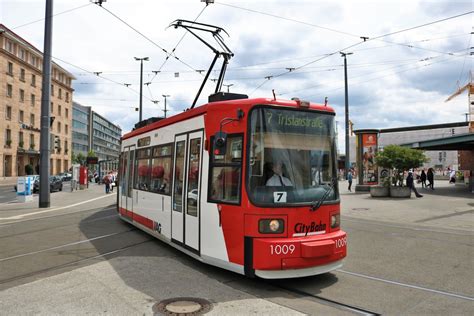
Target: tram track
[(71, 263), (61, 226), (328, 302)]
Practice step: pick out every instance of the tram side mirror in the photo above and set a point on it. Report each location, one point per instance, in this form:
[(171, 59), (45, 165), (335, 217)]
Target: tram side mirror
[(220, 143)]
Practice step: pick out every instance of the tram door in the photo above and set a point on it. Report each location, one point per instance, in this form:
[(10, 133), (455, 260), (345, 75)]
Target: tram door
[(186, 189), (126, 185)]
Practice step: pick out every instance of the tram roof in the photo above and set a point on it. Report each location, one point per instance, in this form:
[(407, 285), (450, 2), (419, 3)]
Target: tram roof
[(229, 105)]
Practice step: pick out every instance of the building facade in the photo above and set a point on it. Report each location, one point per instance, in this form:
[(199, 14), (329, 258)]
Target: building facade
[(91, 131), (81, 116), (20, 108)]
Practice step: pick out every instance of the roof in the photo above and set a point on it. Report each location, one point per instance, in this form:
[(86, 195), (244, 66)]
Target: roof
[(204, 108), (457, 142)]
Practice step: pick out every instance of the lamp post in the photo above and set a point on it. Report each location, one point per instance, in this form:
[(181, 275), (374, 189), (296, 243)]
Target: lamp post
[(141, 83), (347, 161), (45, 150), (228, 86), (165, 96)]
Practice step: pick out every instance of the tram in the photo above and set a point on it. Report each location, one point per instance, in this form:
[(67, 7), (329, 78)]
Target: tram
[(248, 185)]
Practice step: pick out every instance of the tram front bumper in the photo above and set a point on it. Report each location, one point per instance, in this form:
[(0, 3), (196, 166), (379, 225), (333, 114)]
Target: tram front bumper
[(298, 253)]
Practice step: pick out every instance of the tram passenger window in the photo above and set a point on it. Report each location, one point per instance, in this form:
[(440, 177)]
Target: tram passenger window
[(143, 170), (161, 170), (225, 180)]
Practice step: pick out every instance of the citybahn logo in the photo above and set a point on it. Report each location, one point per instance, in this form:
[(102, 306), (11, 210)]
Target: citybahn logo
[(302, 229)]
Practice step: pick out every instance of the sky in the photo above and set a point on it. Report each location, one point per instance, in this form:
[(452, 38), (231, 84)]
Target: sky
[(417, 54)]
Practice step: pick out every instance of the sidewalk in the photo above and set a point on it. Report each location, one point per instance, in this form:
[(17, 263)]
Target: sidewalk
[(447, 207), (7, 181), (59, 200)]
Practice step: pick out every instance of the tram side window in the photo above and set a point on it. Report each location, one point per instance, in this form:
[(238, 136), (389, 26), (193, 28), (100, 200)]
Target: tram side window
[(226, 171), (143, 169), (161, 169)]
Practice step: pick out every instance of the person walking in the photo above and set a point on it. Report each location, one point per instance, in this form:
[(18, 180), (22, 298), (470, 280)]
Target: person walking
[(411, 184), (107, 183), (423, 178), (349, 179), (430, 178), (452, 176)]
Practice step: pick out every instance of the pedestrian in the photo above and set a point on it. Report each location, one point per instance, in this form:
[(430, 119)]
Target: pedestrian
[(112, 181), (107, 183), (411, 184), (430, 178), (452, 176), (349, 179), (423, 178)]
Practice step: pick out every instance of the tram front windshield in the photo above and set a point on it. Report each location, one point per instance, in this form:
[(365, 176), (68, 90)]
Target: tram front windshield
[(291, 157)]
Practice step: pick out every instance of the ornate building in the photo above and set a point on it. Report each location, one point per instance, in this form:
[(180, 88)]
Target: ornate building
[(20, 108)]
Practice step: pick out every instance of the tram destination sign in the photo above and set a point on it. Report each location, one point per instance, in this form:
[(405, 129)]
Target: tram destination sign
[(297, 122)]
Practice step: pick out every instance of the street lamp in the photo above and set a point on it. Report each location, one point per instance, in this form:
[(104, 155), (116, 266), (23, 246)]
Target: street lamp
[(141, 83), (165, 96), (228, 86), (347, 162)]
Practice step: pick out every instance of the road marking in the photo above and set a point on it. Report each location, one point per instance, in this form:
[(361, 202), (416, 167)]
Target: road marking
[(62, 246), (7, 224), (54, 209), (408, 285)]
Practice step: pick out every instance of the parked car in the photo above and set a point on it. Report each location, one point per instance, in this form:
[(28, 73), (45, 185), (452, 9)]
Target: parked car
[(193, 197), (35, 177), (55, 184), (64, 176)]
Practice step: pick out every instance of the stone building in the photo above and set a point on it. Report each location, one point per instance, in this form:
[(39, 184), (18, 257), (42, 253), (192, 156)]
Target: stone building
[(20, 108)]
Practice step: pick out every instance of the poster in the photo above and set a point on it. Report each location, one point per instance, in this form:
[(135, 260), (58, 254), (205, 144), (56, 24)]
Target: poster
[(369, 146)]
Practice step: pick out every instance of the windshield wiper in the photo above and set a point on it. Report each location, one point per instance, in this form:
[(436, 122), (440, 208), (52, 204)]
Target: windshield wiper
[(317, 203)]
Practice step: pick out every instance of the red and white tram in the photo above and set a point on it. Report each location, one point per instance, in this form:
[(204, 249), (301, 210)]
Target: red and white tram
[(248, 185)]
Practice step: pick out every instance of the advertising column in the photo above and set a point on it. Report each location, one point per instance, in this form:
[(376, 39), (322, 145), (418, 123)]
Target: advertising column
[(367, 144)]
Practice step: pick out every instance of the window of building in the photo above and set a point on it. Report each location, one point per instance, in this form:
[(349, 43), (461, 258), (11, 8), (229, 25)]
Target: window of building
[(67, 96), (9, 46), (33, 80), (21, 116), (10, 69), (22, 95), (20, 140), (52, 107), (32, 119), (32, 141), (224, 185), (9, 90), (66, 148), (60, 93), (59, 110), (66, 112), (66, 129), (33, 99), (22, 54), (8, 137), (22, 74), (59, 127), (52, 90), (8, 113)]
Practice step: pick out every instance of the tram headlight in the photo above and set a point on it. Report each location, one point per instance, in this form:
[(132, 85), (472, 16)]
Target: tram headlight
[(271, 226), (335, 220)]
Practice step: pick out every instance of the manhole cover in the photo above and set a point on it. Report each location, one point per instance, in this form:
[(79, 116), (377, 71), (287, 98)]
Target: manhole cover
[(360, 209), (182, 306)]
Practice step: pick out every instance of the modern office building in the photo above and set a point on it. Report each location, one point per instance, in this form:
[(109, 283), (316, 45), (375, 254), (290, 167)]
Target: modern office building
[(91, 131), (20, 108)]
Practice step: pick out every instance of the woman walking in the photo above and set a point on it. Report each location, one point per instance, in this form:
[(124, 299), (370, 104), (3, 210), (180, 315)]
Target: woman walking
[(423, 178), (430, 177)]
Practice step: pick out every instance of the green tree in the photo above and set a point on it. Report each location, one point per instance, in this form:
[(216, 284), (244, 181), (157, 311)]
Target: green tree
[(91, 153), (81, 159), (399, 159), (29, 170)]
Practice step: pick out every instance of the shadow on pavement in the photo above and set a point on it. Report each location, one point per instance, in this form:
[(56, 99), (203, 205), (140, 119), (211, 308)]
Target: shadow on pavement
[(162, 272)]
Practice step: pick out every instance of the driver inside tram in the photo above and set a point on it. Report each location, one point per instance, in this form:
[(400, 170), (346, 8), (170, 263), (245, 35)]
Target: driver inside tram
[(278, 179)]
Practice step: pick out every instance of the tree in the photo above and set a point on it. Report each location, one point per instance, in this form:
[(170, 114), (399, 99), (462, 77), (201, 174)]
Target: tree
[(399, 159), (91, 153), (81, 159), (29, 170)]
